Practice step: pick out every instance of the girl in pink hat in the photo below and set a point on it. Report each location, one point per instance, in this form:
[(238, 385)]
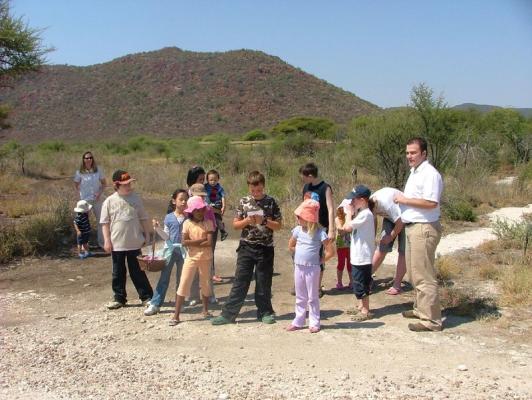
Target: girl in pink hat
[(197, 238), (305, 243)]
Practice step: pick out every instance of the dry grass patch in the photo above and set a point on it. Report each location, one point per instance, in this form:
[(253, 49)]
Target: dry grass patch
[(487, 271), (47, 232), (13, 184), (447, 268), (22, 205), (516, 284)]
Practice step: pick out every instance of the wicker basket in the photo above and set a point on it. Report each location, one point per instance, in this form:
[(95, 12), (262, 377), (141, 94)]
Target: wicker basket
[(153, 265)]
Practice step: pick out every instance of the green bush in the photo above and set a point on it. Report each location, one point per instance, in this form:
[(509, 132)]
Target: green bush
[(52, 146), (512, 232), (116, 148), (255, 135), (458, 210), (313, 127), (215, 154), (295, 145), (214, 137), (524, 177), (139, 143)]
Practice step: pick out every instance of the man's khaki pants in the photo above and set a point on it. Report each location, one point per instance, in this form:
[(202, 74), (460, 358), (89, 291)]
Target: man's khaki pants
[(421, 242)]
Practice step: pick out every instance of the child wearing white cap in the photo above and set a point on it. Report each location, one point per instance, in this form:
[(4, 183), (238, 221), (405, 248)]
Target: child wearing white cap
[(83, 228)]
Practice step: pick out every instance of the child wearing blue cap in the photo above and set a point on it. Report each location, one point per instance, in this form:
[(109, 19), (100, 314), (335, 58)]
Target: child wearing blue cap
[(360, 222)]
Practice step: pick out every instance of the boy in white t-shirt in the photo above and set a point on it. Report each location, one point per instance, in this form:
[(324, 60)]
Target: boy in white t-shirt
[(361, 223), (126, 228)]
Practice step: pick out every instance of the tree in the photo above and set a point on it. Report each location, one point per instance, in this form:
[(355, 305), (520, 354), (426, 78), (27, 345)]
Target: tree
[(508, 127), (21, 50), (469, 127), (380, 140), (438, 124)]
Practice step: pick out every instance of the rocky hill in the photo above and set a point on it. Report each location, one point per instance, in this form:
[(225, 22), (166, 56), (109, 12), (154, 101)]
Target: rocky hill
[(171, 92)]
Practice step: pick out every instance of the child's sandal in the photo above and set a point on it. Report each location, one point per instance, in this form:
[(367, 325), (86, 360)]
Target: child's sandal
[(173, 322), (353, 311), (362, 317)]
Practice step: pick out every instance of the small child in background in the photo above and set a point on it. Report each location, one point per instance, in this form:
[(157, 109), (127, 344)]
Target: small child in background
[(343, 240), (197, 237), (216, 199), (173, 226), (306, 241), (83, 228), (198, 189), (362, 228)]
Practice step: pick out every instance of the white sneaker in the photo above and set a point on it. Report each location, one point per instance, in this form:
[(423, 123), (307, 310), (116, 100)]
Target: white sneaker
[(152, 310), (146, 302), (192, 303)]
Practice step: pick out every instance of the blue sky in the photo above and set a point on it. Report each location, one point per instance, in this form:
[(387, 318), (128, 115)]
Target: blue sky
[(469, 50)]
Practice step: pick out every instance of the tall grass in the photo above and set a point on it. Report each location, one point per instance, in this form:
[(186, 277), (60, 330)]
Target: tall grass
[(160, 166), (40, 234), (516, 285)]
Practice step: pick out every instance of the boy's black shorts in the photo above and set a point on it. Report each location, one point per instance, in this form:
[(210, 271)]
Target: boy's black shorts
[(83, 238)]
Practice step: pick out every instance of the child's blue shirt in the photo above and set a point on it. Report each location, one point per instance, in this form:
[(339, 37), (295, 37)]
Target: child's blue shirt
[(308, 247)]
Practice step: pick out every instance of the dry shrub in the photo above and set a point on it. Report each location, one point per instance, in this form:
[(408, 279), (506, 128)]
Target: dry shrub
[(488, 271), (12, 244), (490, 247), (447, 268), (16, 207), (45, 233), (13, 184), (516, 284), (466, 303)]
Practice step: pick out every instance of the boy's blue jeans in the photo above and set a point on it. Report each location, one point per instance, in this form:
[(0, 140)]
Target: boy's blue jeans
[(164, 280)]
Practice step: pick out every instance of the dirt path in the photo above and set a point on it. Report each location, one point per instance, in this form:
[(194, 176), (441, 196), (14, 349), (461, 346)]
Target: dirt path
[(58, 341), (473, 238)]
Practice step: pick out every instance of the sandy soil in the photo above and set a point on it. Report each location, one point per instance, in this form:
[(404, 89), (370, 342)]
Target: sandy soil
[(59, 342)]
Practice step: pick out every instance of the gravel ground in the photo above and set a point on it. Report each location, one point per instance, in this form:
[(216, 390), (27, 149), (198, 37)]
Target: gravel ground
[(59, 342)]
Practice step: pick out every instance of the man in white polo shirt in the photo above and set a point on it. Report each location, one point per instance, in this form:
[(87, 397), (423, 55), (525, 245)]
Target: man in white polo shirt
[(421, 216)]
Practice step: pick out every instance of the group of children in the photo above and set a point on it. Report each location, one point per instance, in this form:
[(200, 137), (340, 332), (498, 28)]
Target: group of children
[(195, 216)]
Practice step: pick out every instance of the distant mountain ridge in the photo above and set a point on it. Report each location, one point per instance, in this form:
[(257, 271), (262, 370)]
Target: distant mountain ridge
[(171, 92), (484, 108)]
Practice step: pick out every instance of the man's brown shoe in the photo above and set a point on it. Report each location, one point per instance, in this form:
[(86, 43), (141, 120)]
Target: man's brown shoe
[(409, 314), (419, 327)]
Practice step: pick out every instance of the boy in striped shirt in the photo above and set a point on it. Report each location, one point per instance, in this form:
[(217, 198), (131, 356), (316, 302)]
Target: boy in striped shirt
[(82, 227)]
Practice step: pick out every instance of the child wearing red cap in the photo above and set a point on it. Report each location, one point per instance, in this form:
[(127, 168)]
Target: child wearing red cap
[(307, 239), (197, 238)]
